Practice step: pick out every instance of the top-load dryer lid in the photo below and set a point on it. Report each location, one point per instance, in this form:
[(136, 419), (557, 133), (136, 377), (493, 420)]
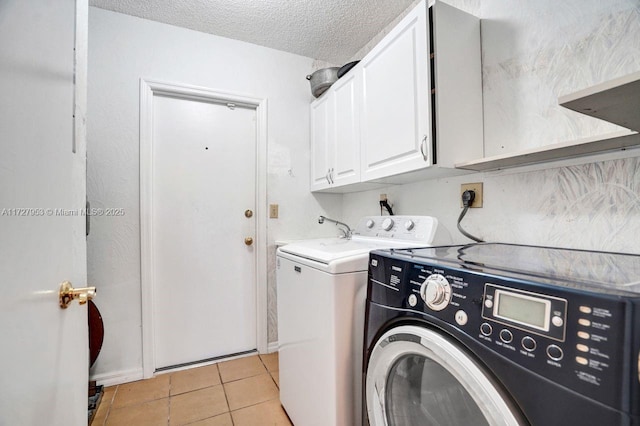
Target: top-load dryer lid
[(327, 250), (605, 272)]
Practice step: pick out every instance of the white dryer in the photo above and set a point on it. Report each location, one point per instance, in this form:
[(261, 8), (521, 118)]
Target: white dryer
[(321, 302)]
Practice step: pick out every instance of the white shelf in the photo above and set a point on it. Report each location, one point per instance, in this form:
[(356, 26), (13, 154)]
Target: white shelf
[(616, 101), (561, 151)]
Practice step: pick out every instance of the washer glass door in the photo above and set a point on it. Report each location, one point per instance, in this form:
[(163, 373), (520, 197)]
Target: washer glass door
[(419, 377)]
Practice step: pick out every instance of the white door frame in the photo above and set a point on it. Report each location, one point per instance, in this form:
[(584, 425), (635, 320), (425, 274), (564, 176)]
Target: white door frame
[(149, 88)]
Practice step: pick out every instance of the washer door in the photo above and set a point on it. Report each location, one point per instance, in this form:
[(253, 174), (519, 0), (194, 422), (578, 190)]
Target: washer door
[(419, 377)]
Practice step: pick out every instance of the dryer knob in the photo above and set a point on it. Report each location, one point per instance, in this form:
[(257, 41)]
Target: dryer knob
[(436, 292), (387, 224)]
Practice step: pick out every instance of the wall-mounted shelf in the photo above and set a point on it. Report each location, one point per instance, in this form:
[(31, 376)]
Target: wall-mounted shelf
[(616, 101), (561, 151)]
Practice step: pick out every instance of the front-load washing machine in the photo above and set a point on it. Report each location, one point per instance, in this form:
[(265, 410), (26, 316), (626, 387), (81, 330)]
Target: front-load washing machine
[(321, 300), (500, 334)]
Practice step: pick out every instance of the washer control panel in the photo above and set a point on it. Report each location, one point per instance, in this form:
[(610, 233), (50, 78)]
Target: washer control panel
[(528, 311), (573, 338)]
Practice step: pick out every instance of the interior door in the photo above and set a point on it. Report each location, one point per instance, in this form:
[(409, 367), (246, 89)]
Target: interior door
[(204, 182), (418, 376), (44, 357)]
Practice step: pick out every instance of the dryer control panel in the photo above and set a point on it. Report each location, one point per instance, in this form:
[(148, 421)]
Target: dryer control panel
[(572, 337)]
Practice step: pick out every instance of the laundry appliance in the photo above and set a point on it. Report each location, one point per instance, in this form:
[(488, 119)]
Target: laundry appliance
[(321, 300), (501, 334)]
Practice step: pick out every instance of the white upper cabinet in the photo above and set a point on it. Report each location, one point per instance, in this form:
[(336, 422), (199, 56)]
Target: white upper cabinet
[(410, 110), (335, 135), (345, 161), (321, 129), (395, 106)]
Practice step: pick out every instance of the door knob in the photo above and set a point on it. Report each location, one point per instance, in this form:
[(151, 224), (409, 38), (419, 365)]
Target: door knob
[(68, 294), (248, 241), (248, 213)]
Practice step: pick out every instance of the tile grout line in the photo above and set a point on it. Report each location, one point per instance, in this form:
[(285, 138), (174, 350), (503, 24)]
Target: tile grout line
[(224, 391), (169, 400)]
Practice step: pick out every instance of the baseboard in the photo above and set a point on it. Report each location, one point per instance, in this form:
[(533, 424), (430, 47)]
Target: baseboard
[(118, 377), (272, 347)]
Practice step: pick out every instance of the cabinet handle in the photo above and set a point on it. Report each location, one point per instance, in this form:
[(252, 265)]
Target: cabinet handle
[(423, 149), (331, 175), (327, 177)]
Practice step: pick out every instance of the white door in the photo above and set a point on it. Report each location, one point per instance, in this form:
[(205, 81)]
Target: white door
[(204, 163), (322, 131), (345, 155), (44, 357), (395, 110)]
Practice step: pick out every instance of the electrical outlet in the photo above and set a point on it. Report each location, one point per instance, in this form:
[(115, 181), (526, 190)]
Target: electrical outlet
[(273, 211), (475, 187)]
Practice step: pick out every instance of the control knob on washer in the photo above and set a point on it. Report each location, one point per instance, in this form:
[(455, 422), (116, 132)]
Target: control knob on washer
[(436, 292), (387, 224)]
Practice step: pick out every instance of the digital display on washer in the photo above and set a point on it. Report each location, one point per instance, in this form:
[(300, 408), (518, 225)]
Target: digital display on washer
[(522, 309)]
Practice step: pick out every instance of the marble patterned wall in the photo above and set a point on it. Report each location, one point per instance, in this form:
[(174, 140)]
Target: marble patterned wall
[(535, 51)]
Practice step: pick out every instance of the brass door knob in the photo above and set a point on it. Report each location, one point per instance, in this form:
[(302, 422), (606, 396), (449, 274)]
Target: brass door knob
[(248, 241), (248, 213), (67, 294)]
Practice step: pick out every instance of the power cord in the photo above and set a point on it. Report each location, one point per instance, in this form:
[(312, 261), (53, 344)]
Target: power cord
[(386, 205), (467, 200)]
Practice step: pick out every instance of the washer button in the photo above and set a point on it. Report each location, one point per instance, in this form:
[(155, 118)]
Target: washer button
[(506, 336), (488, 303), (584, 322), (486, 329), (585, 309), (461, 317), (557, 321), (583, 335), (582, 360), (582, 348), (413, 300), (528, 343), (554, 352)]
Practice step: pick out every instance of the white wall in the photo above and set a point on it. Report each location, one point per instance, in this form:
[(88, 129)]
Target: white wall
[(122, 49), (534, 52)]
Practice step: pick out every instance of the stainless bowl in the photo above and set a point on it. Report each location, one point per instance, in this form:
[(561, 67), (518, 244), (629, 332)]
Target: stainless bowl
[(322, 79)]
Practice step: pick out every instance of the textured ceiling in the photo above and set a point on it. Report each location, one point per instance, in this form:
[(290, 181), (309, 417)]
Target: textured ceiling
[(329, 30)]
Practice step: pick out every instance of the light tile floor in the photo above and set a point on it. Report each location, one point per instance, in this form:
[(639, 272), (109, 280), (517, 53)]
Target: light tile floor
[(241, 392)]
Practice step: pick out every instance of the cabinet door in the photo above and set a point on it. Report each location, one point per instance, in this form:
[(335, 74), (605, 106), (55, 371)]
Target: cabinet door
[(321, 136), (396, 118), (345, 155)]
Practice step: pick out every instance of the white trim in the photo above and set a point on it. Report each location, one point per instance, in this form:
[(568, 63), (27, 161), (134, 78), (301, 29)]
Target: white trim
[(80, 60), (118, 377), (273, 347), (149, 88)]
